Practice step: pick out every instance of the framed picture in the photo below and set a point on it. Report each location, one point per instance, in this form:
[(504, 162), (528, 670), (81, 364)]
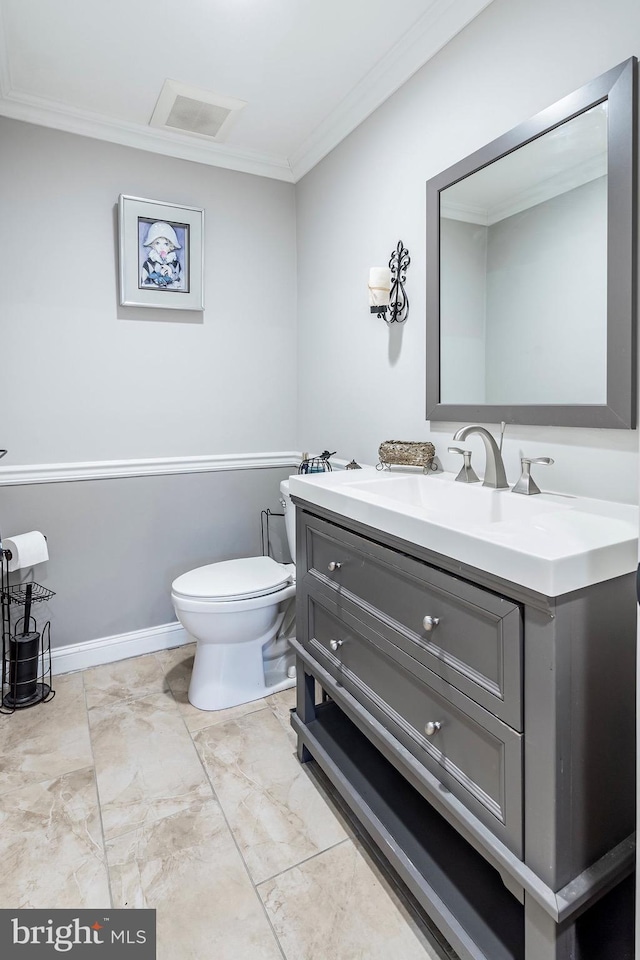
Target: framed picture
[(161, 254)]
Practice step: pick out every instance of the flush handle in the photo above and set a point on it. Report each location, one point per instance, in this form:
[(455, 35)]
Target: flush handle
[(432, 727), (334, 565), (429, 623), (335, 645)]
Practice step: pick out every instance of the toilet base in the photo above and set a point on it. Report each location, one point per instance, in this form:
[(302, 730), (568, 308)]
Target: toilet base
[(229, 674)]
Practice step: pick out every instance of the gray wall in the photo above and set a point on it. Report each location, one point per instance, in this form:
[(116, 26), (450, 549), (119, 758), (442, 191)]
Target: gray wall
[(523, 303), (115, 546), (463, 300), (547, 301), (515, 59), (86, 379)]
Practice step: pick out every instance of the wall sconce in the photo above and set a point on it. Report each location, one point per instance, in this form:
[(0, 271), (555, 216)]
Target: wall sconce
[(387, 296)]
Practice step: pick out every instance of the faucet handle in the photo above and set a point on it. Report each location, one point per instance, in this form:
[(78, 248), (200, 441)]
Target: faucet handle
[(467, 473), (526, 484)]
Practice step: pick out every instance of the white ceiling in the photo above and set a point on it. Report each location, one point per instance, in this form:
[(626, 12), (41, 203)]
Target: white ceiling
[(309, 70)]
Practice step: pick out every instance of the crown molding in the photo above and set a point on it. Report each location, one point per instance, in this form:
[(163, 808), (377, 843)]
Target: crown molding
[(577, 176), (441, 22), (592, 169), (47, 113), (465, 212)]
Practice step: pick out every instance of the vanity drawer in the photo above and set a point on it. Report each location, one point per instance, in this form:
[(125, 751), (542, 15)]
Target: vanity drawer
[(475, 756), (474, 637)]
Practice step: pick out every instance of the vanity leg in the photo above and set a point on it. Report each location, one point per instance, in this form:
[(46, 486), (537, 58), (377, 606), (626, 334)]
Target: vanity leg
[(546, 940), (305, 704)]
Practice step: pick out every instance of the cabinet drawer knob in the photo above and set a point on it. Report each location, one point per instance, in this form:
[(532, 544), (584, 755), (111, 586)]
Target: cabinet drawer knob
[(432, 727), (335, 644), (430, 622), (334, 565)]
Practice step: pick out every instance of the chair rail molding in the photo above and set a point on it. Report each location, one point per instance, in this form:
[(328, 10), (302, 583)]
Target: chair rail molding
[(23, 474)]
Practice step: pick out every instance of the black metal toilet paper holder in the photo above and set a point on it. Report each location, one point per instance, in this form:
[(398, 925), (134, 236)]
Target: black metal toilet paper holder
[(26, 652)]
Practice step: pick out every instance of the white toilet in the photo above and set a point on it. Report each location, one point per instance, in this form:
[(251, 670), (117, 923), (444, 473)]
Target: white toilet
[(234, 610)]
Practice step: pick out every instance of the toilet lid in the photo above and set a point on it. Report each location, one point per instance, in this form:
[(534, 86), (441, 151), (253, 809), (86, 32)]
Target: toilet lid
[(233, 579)]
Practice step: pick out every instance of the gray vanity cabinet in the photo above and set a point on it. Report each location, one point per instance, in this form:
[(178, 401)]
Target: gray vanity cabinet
[(481, 733)]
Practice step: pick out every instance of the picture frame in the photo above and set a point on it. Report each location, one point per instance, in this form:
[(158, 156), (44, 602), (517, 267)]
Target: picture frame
[(161, 251)]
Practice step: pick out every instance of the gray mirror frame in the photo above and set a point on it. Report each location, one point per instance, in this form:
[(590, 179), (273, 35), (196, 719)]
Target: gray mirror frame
[(618, 87)]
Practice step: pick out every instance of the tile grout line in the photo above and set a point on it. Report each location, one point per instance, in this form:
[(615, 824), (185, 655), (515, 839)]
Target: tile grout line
[(186, 726), (328, 795), (313, 856), (129, 828), (193, 734), (386, 874), (97, 788), (221, 808), (47, 779), (235, 841), (382, 870)]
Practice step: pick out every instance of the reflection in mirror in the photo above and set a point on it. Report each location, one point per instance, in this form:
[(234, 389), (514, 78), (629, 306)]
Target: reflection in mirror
[(523, 257), (531, 268)]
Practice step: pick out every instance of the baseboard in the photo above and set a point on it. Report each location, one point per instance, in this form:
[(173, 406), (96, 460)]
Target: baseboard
[(121, 646)]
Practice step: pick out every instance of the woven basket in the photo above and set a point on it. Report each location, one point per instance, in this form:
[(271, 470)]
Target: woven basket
[(406, 453)]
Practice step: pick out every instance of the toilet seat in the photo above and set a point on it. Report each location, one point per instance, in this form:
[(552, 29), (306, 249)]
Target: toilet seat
[(230, 580)]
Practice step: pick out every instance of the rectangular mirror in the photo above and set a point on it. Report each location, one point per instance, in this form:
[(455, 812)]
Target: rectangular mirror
[(531, 268)]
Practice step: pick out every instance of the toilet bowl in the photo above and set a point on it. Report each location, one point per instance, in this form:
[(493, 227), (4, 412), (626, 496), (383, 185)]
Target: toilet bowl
[(233, 610)]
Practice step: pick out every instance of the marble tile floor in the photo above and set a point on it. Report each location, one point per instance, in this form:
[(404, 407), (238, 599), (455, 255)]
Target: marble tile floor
[(119, 793)]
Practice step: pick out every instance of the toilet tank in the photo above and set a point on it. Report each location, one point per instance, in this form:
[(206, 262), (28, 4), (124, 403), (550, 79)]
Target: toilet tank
[(289, 517)]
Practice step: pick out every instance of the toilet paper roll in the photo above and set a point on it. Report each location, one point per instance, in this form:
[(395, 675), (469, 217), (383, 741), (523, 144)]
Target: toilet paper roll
[(27, 549)]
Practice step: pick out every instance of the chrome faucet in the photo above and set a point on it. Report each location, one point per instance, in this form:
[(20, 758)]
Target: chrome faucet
[(494, 474), (526, 484)]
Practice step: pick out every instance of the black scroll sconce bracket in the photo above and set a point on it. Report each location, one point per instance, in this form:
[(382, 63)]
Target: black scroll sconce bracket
[(398, 309)]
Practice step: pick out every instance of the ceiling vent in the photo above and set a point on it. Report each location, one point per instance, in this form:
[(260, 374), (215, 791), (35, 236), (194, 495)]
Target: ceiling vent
[(197, 112)]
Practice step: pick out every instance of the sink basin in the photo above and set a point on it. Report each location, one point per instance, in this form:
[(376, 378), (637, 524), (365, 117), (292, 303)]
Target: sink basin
[(465, 503), (551, 543)]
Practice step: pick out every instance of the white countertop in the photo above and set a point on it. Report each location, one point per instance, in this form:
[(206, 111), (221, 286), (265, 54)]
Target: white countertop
[(552, 543)]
